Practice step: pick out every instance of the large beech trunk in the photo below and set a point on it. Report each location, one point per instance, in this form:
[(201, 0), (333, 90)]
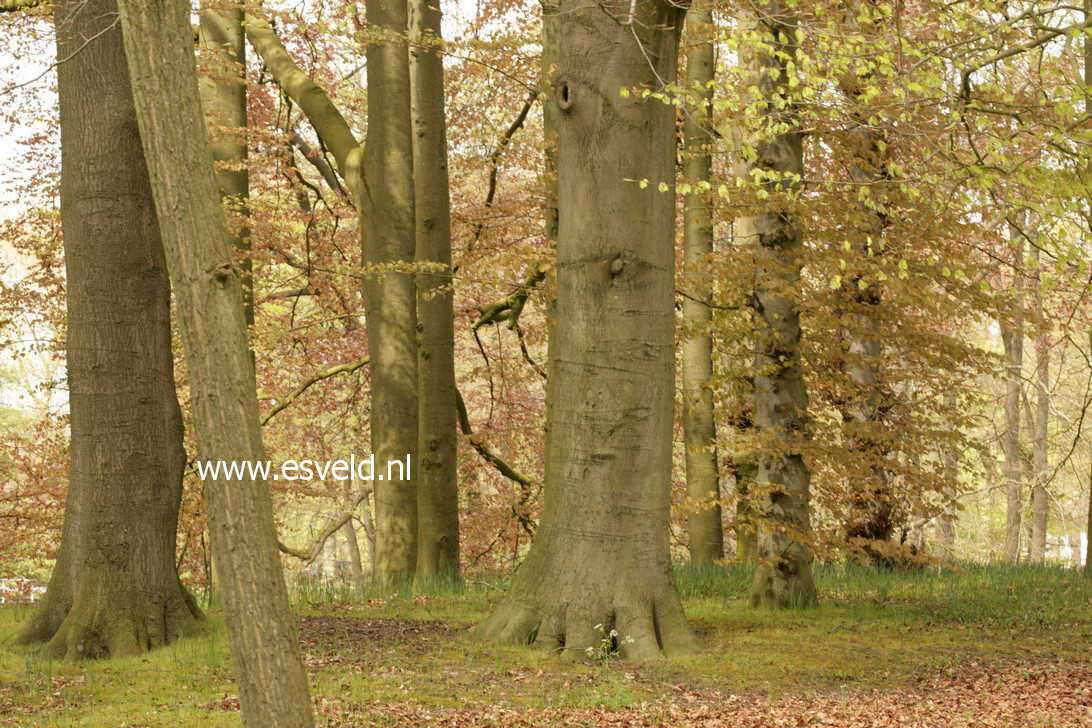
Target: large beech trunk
[(262, 631), (699, 429), (781, 488), (115, 590), (600, 560), (437, 478), (390, 292)]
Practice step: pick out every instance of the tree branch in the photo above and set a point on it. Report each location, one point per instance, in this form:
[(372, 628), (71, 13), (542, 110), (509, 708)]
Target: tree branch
[(294, 395), (312, 551), (324, 116)]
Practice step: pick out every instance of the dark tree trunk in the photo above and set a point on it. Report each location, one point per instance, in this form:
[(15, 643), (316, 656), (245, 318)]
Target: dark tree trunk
[(600, 560), (115, 589), (437, 478), (262, 631), (783, 576)]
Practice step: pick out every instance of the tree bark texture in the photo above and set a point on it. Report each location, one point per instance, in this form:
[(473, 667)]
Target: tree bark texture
[(223, 51), (115, 589), (390, 292), (600, 561), (783, 575), (262, 632), (437, 481), (704, 527)]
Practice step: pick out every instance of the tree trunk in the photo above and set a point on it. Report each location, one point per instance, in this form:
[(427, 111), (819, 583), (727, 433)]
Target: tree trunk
[(437, 483), (115, 589), (389, 289), (600, 566), (872, 510), (1088, 112), (946, 519), (262, 631), (746, 533), (223, 51), (783, 575), (1040, 458), (1013, 341), (699, 429)]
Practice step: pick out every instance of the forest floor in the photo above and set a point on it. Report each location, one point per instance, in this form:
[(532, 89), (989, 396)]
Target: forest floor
[(985, 647)]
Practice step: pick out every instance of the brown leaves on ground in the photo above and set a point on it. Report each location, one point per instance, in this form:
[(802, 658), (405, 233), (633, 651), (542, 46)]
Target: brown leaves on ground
[(1015, 694), (351, 634)]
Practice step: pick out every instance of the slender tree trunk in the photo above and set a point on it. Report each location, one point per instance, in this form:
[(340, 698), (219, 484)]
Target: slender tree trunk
[(699, 429), (389, 288), (1013, 341), (946, 520), (600, 560), (355, 560), (262, 631), (115, 589), (389, 241), (437, 483), (1040, 458), (223, 47), (746, 533), (1088, 112), (872, 510), (783, 576)]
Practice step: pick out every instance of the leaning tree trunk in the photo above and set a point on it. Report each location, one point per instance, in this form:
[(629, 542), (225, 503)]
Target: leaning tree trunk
[(437, 481), (223, 49), (1040, 461), (699, 430), (115, 589), (783, 576), (389, 289), (600, 562), (1013, 341), (262, 631)]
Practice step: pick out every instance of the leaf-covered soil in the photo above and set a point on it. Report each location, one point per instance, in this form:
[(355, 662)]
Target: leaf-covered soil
[(890, 650)]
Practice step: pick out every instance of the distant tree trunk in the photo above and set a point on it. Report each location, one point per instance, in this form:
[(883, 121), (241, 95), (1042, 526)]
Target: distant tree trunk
[(1040, 441), (391, 295), (601, 560), (1013, 341), (872, 509), (1088, 113), (437, 482), (783, 576), (946, 520), (223, 45), (115, 589), (746, 533), (355, 562), (262, 631), (699, 429)]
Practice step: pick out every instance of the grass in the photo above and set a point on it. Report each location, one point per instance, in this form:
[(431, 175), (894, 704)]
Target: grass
[(397, 647)]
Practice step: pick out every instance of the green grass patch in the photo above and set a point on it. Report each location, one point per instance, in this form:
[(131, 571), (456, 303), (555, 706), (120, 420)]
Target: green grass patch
[(411, 644)]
